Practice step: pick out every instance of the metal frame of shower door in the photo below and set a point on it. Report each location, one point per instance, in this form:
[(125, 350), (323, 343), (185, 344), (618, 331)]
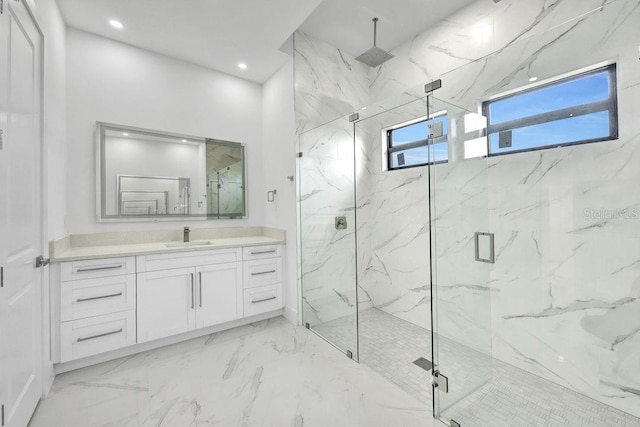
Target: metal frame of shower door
[(432, 288)]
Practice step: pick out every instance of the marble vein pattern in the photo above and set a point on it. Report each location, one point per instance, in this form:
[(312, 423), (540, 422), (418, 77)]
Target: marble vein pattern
[(562, 299), (269, 373), (482, 391), (329, 83)]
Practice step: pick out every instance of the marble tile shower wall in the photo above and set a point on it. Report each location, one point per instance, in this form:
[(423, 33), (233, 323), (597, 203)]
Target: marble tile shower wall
[(329, 85), (326, 191), (565, 290)]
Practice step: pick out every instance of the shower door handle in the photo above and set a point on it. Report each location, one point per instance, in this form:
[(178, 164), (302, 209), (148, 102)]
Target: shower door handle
[(484, 245)]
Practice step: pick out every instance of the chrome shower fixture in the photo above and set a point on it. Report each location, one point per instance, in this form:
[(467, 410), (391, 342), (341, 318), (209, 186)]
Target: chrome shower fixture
[(375, 56)]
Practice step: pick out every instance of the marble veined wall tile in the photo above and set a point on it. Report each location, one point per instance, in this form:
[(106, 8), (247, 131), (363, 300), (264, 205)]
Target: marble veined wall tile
[(329, 83), (473, 33), (328, 273)]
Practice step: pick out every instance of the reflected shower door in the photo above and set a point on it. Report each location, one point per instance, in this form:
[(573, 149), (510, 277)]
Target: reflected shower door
[(461, 256), (327, 234)]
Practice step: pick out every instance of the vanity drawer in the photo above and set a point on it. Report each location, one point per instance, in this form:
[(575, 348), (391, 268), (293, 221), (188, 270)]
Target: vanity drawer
[(262, 299), (86, 337), (94, 297), (261, 272), (88, 269), (173, 260), (261, 252)]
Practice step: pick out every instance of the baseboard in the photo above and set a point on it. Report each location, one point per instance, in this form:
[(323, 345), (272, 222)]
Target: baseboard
[(49, 374), (151, 345), (291, 315)]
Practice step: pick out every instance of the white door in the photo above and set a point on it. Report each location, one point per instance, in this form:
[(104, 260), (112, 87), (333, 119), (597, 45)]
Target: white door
[(166, 303), (20, 213), (219, 294)]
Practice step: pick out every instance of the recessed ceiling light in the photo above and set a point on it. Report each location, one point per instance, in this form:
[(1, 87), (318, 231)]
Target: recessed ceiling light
[(116, 24), (533, 79), (184, 140), (125, 134), (242, 66)]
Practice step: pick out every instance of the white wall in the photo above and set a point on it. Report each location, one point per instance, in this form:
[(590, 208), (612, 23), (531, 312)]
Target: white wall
[(54, 116), (116, 83), (278, 138)]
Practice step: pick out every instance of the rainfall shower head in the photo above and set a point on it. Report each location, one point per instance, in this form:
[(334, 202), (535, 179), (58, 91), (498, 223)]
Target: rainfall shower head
[(374, 56)]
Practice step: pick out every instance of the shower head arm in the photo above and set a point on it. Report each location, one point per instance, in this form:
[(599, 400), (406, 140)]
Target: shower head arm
[(375, 31)]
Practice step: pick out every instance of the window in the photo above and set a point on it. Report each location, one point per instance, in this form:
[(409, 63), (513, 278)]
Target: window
[(408, 145), (574, 110)]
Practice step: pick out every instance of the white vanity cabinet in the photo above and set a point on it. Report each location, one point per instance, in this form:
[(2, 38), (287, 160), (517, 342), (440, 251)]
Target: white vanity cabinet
[(262, 270), (180, 292), (110, 304), (97, 306)]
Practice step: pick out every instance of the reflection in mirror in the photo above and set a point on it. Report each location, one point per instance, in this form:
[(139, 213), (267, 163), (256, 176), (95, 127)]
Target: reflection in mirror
[(151, 174), (225, 187)]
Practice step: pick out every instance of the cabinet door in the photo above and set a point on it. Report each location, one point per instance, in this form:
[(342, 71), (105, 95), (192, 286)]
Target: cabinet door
[(166, 303), (219, 294)]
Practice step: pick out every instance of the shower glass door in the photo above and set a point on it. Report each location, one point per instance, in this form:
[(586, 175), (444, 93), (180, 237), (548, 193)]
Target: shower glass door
[(327, 234), (461, 256)]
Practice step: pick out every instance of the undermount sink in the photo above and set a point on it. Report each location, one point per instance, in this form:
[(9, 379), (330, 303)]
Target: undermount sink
[(187, 244)]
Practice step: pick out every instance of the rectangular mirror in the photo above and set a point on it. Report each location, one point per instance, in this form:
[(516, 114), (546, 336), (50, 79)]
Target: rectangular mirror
[(152, 175)]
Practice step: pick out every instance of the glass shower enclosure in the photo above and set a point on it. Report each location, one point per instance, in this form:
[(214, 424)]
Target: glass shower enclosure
[(392, 265)]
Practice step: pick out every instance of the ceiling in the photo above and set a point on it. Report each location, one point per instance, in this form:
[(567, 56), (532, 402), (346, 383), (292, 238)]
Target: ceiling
[(219, 34), (347, 24)]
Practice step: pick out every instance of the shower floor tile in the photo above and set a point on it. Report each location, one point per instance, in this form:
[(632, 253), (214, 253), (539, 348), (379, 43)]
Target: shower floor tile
[(493, 393)]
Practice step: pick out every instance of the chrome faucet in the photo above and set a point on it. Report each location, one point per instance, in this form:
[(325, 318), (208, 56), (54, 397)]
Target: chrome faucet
[(187, 230)]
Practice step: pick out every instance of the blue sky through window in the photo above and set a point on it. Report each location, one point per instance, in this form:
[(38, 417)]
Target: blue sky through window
[(420, 155), (564, 94), (581, 91)]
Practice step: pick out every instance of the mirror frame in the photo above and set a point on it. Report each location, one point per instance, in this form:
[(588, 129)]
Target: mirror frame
[(100, 167)]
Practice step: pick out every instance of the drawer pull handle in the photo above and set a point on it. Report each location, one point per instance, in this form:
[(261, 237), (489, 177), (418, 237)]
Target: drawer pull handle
[(193, 293), (108, 267), (263, 272), (270, 251), (100, 335), (262, 300), (200, 281), (100, 297)]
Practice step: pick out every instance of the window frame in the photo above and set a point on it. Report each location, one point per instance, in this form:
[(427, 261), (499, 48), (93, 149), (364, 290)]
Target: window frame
[(610, 104), (415, 144)]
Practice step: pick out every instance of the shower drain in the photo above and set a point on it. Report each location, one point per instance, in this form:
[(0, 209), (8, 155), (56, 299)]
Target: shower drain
[(423, 363)]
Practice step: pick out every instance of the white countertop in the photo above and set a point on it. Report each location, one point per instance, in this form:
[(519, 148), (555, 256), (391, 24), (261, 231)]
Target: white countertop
[(64, 250)]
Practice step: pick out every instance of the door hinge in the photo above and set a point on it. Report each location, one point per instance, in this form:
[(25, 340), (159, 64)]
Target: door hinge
[(300, 154), (441, 382), (306, 325), (349, 354), (354, 117), (42, 261), (2, 415)]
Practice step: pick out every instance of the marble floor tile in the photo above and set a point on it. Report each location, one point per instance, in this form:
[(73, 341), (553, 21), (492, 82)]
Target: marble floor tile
[(268, 373), (482, 391)]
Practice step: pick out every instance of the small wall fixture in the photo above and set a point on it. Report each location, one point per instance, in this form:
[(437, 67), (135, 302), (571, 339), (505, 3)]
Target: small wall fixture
[(271, 195)]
